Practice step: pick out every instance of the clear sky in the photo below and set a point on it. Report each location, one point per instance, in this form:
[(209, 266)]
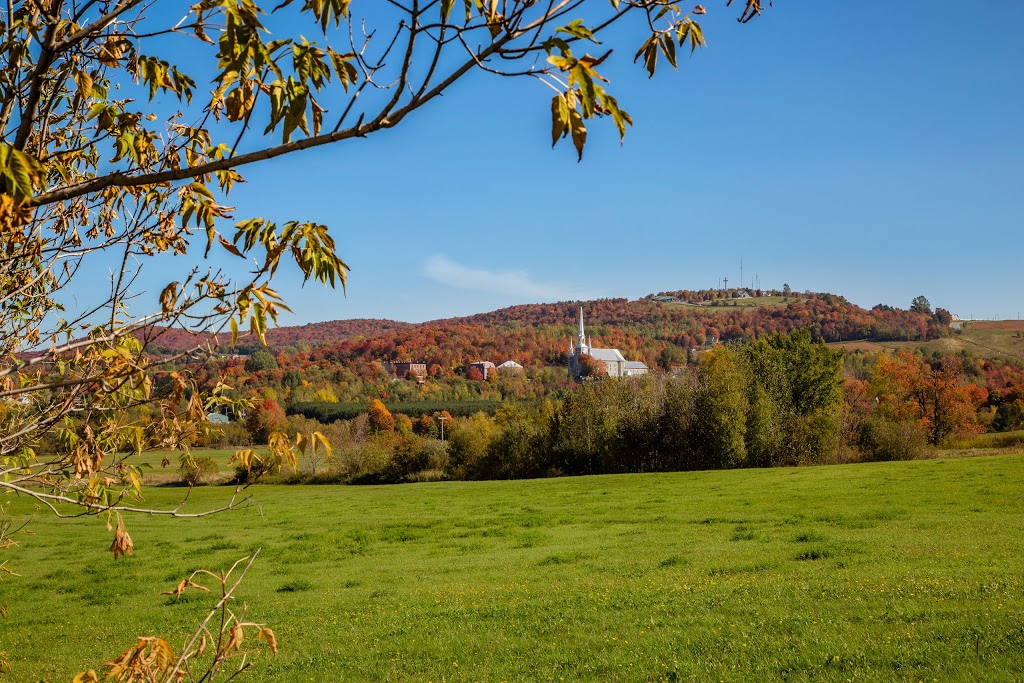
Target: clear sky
[(871, 149)]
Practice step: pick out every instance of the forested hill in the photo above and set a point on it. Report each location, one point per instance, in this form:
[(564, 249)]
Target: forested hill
[(828, 316), (657, 333), (313, 334)]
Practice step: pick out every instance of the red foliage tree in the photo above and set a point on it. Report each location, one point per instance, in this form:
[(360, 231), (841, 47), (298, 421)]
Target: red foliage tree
[(265, 417), (591, 367)]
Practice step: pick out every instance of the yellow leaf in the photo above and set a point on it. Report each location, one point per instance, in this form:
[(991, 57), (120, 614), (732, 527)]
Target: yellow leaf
[(578, 131)]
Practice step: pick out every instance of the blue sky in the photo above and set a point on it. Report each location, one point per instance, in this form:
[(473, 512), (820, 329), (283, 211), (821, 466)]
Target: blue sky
[(869, 149)]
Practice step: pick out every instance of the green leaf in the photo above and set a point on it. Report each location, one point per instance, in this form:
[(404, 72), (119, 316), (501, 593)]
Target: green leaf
[(578, 30), (21, 172)]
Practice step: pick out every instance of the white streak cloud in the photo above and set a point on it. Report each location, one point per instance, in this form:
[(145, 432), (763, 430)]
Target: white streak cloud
[(515, 283)]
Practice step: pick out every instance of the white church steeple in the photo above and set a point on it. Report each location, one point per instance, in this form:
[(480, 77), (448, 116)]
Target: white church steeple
[(581, 336)]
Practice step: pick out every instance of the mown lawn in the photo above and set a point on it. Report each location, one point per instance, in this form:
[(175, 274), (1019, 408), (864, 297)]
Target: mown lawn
[(884, 572), (152, 461)]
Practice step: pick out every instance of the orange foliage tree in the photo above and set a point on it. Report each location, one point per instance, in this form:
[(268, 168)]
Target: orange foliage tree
[(381, 419), (906, 387)]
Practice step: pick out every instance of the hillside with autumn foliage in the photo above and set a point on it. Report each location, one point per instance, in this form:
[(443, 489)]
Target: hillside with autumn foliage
[(659, 334), (165, 340), (346, 361)]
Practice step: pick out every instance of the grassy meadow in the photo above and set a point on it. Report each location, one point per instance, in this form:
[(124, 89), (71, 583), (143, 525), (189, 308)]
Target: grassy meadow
[(151, 462), (909, 571), (986, 339)]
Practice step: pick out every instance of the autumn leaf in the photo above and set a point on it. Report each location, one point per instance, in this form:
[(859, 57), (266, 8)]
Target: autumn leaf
[(122, 544), (268, 635)]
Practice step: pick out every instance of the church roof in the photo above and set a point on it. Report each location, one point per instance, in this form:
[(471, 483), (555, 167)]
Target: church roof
[(635, 365), (606, 354)]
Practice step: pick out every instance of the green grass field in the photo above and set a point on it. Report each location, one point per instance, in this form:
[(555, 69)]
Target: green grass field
[(907, 571), (152, 459)]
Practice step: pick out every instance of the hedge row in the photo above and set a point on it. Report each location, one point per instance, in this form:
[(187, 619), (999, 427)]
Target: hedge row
[(323, 411)]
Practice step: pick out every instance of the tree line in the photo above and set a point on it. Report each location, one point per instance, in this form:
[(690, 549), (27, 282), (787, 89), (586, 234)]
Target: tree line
[(782, 400)]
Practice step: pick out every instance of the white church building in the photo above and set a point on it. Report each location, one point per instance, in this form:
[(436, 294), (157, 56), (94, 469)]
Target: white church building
[(614, 362)]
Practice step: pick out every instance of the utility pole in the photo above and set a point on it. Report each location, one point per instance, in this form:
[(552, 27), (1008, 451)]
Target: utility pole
[(726, 280), (441, 419)]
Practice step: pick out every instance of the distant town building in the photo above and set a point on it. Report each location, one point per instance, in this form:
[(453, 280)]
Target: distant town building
[(217, 419), (634, 368), (484, 366), (510, 365), (402, 369), (614, 362)]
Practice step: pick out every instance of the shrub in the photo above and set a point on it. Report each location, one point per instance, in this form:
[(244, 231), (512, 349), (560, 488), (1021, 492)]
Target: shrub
[(883, 439), (258, 470), (427, 475), (195, 471), (229, 435)]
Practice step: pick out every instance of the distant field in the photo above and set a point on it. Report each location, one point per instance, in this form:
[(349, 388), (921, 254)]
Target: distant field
[(987, 339), (1001, 325), (882, 572), (155, 472), (869, 346), (992, 440)]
